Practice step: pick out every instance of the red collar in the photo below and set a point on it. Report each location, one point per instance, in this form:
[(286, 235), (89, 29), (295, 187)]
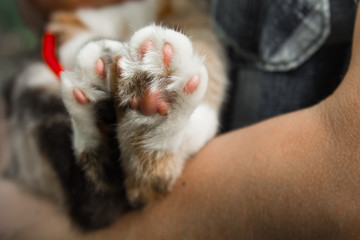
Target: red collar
[(48, 52)]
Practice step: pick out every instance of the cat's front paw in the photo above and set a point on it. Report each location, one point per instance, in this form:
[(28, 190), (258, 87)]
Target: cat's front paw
[(161, 73), (163, 81), (87, 97), (80, 99), (86, 85)]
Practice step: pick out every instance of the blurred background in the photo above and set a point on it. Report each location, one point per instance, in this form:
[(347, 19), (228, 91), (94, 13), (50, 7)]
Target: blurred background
[(17, 42)]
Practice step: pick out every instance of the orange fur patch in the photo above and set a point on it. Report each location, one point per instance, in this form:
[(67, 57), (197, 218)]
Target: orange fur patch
[(65, 25), (154, 182)]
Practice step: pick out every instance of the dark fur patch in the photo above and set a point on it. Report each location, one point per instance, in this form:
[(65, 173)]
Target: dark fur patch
[(105, 113), (11, 170), (39, 104), (7, 92), (101, 165), (88, 208)]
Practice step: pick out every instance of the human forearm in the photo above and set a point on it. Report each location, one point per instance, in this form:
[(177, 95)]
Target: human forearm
[(272, 181)]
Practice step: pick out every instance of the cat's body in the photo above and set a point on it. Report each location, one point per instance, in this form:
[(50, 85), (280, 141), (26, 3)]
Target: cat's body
[(94, 153)]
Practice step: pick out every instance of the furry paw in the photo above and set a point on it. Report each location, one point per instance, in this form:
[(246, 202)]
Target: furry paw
[(85, 87), (157, 82), (87, 97), (163, 81), (161, 71)]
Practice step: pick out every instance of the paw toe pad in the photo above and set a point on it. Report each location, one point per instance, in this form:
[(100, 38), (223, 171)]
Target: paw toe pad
[(100, 68), (80, 96)]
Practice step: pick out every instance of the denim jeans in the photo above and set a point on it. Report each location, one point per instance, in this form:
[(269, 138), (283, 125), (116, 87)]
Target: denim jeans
[(284, 54)]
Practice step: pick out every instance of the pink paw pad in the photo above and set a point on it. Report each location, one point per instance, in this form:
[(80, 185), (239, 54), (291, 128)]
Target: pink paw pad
[(168, 54), (145, 46), (80, 96), (118, 66), (100, 68), (162, 108), (192, 84), (150, 104)]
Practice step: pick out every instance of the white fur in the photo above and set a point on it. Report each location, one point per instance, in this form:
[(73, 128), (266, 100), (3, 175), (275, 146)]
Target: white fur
[(69, 50), (85, 78), (102, 22), (166, 132), (85, 133), (202, 126), (113, 21)]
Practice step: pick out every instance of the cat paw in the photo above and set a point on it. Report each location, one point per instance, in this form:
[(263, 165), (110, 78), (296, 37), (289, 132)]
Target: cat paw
[(86, 86), (80, 96), (163, 80), (161, 74)]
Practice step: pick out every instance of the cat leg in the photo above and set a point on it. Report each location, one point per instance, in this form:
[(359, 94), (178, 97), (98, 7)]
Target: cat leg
[(85, 91), (164, 81)]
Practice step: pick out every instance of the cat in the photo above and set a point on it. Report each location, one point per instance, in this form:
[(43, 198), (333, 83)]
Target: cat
[(136, 100)]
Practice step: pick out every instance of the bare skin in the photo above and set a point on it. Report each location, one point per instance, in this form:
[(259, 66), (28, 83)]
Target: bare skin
[(291, 177)]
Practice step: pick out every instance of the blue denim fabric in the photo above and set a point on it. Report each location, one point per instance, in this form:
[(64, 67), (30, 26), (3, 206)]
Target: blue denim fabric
[(285, 54)]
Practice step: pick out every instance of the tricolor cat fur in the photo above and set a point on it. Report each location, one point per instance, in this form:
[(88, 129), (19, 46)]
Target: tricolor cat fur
[(101, 157)]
